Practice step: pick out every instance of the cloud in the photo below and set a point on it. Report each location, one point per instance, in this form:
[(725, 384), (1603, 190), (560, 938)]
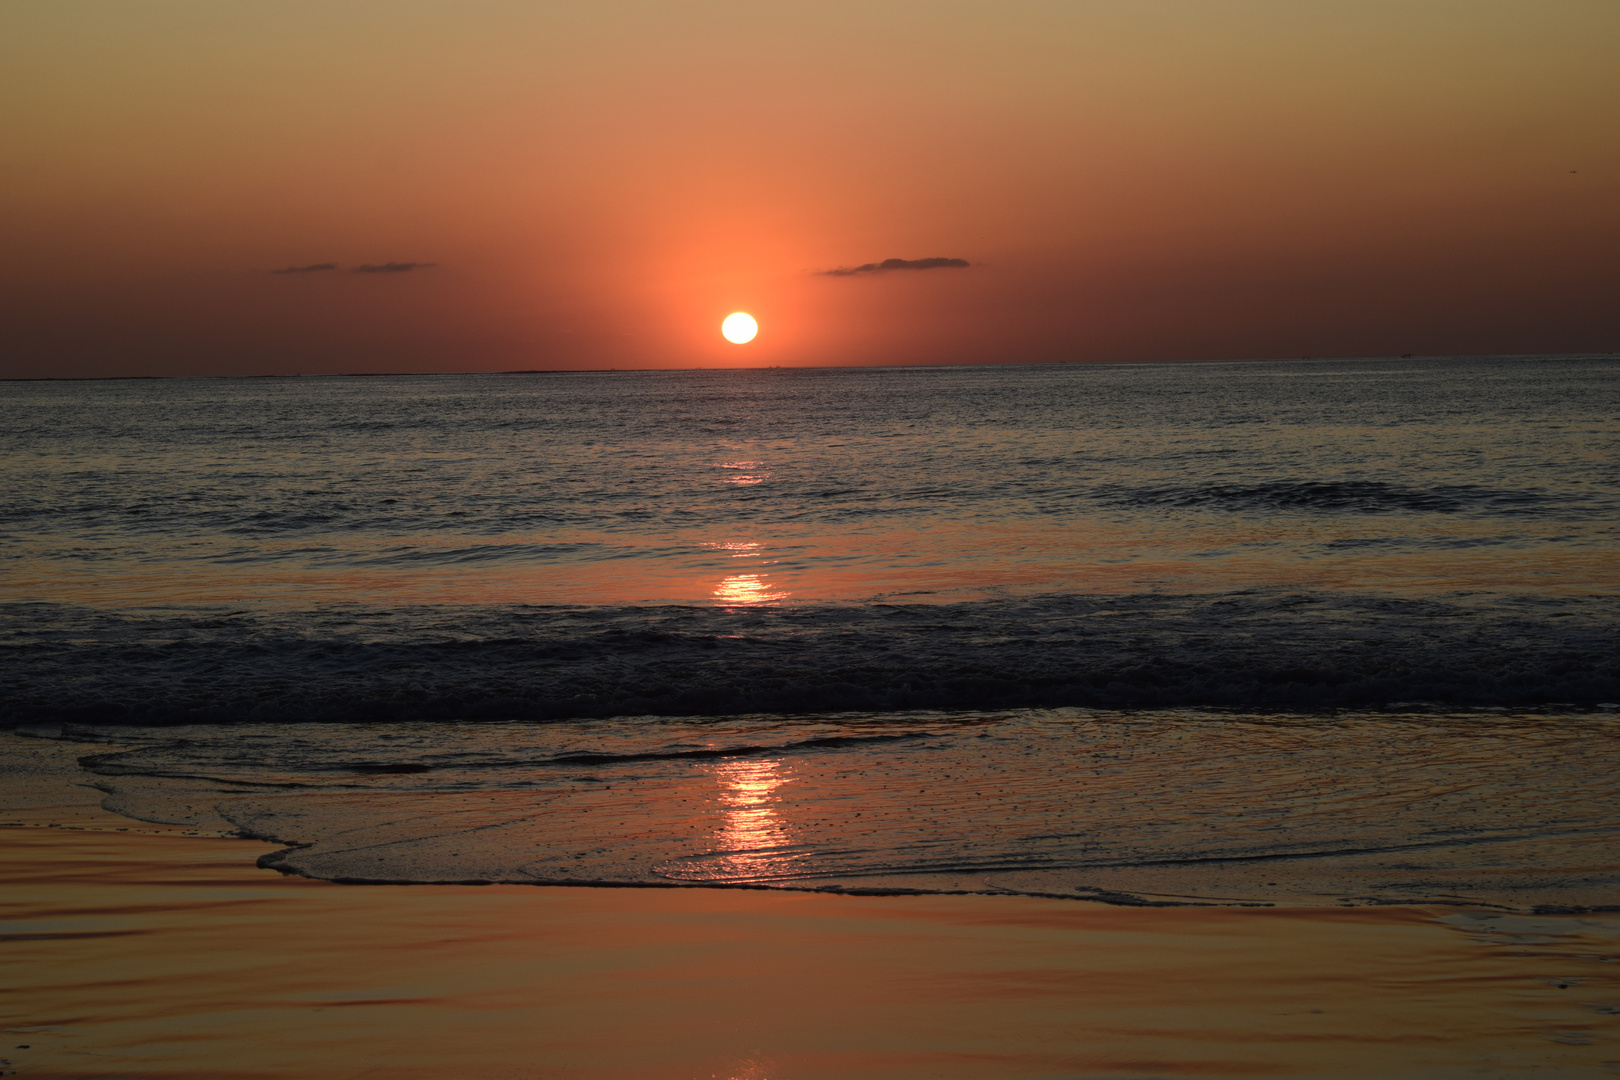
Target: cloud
[(894, 264), (305, 269), (389, 267)]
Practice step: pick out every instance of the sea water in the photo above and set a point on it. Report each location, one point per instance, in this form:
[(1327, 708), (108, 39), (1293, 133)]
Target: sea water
[(1236, 631)]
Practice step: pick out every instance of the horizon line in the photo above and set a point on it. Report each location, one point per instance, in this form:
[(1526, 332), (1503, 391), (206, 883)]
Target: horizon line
[(1583, 355)]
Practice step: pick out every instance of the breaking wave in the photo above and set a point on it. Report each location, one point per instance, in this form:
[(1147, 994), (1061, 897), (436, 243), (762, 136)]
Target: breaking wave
[(1255, 649)]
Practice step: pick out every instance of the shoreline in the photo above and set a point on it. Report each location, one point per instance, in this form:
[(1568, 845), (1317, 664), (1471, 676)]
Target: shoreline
[(143, 951)]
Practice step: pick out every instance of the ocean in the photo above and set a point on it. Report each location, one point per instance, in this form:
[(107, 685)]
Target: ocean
[(1317, 631)]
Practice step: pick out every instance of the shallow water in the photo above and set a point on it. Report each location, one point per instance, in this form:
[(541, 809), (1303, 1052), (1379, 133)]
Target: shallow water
[(1482, 808)]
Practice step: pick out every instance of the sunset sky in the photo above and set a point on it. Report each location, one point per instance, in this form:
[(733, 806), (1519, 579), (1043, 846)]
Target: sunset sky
[(586, 185)]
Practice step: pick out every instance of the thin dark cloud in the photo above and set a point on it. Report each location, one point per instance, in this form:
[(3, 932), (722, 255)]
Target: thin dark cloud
[(895, 264), (314, 268), (390, 267)]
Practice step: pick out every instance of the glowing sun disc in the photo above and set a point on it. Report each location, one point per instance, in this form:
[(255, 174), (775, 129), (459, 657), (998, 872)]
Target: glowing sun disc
[(739, 328)]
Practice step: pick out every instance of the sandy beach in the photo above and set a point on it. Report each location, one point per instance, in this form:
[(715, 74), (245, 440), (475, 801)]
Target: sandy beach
[(141, 951)]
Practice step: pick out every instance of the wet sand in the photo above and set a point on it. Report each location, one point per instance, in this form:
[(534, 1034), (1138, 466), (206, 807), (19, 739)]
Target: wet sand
[(135, 951)]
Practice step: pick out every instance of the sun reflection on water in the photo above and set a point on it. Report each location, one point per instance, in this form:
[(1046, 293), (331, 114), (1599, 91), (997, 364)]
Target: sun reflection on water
[(743, 473), (744, 589), (751, 834)]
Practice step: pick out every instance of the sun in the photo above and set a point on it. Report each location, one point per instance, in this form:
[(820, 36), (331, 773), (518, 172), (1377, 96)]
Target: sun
[(739, 328)]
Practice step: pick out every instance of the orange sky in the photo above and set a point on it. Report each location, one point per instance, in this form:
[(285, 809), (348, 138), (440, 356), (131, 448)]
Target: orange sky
[(598, 184)]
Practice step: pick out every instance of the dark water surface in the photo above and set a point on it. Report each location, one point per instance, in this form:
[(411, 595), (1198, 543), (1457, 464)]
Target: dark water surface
[(1267, 533), (813, 485), (1335, 629)]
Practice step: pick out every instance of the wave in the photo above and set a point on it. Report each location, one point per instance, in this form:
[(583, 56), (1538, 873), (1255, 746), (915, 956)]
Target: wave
[(1344, 497), (1256, 649), (831, 742)]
